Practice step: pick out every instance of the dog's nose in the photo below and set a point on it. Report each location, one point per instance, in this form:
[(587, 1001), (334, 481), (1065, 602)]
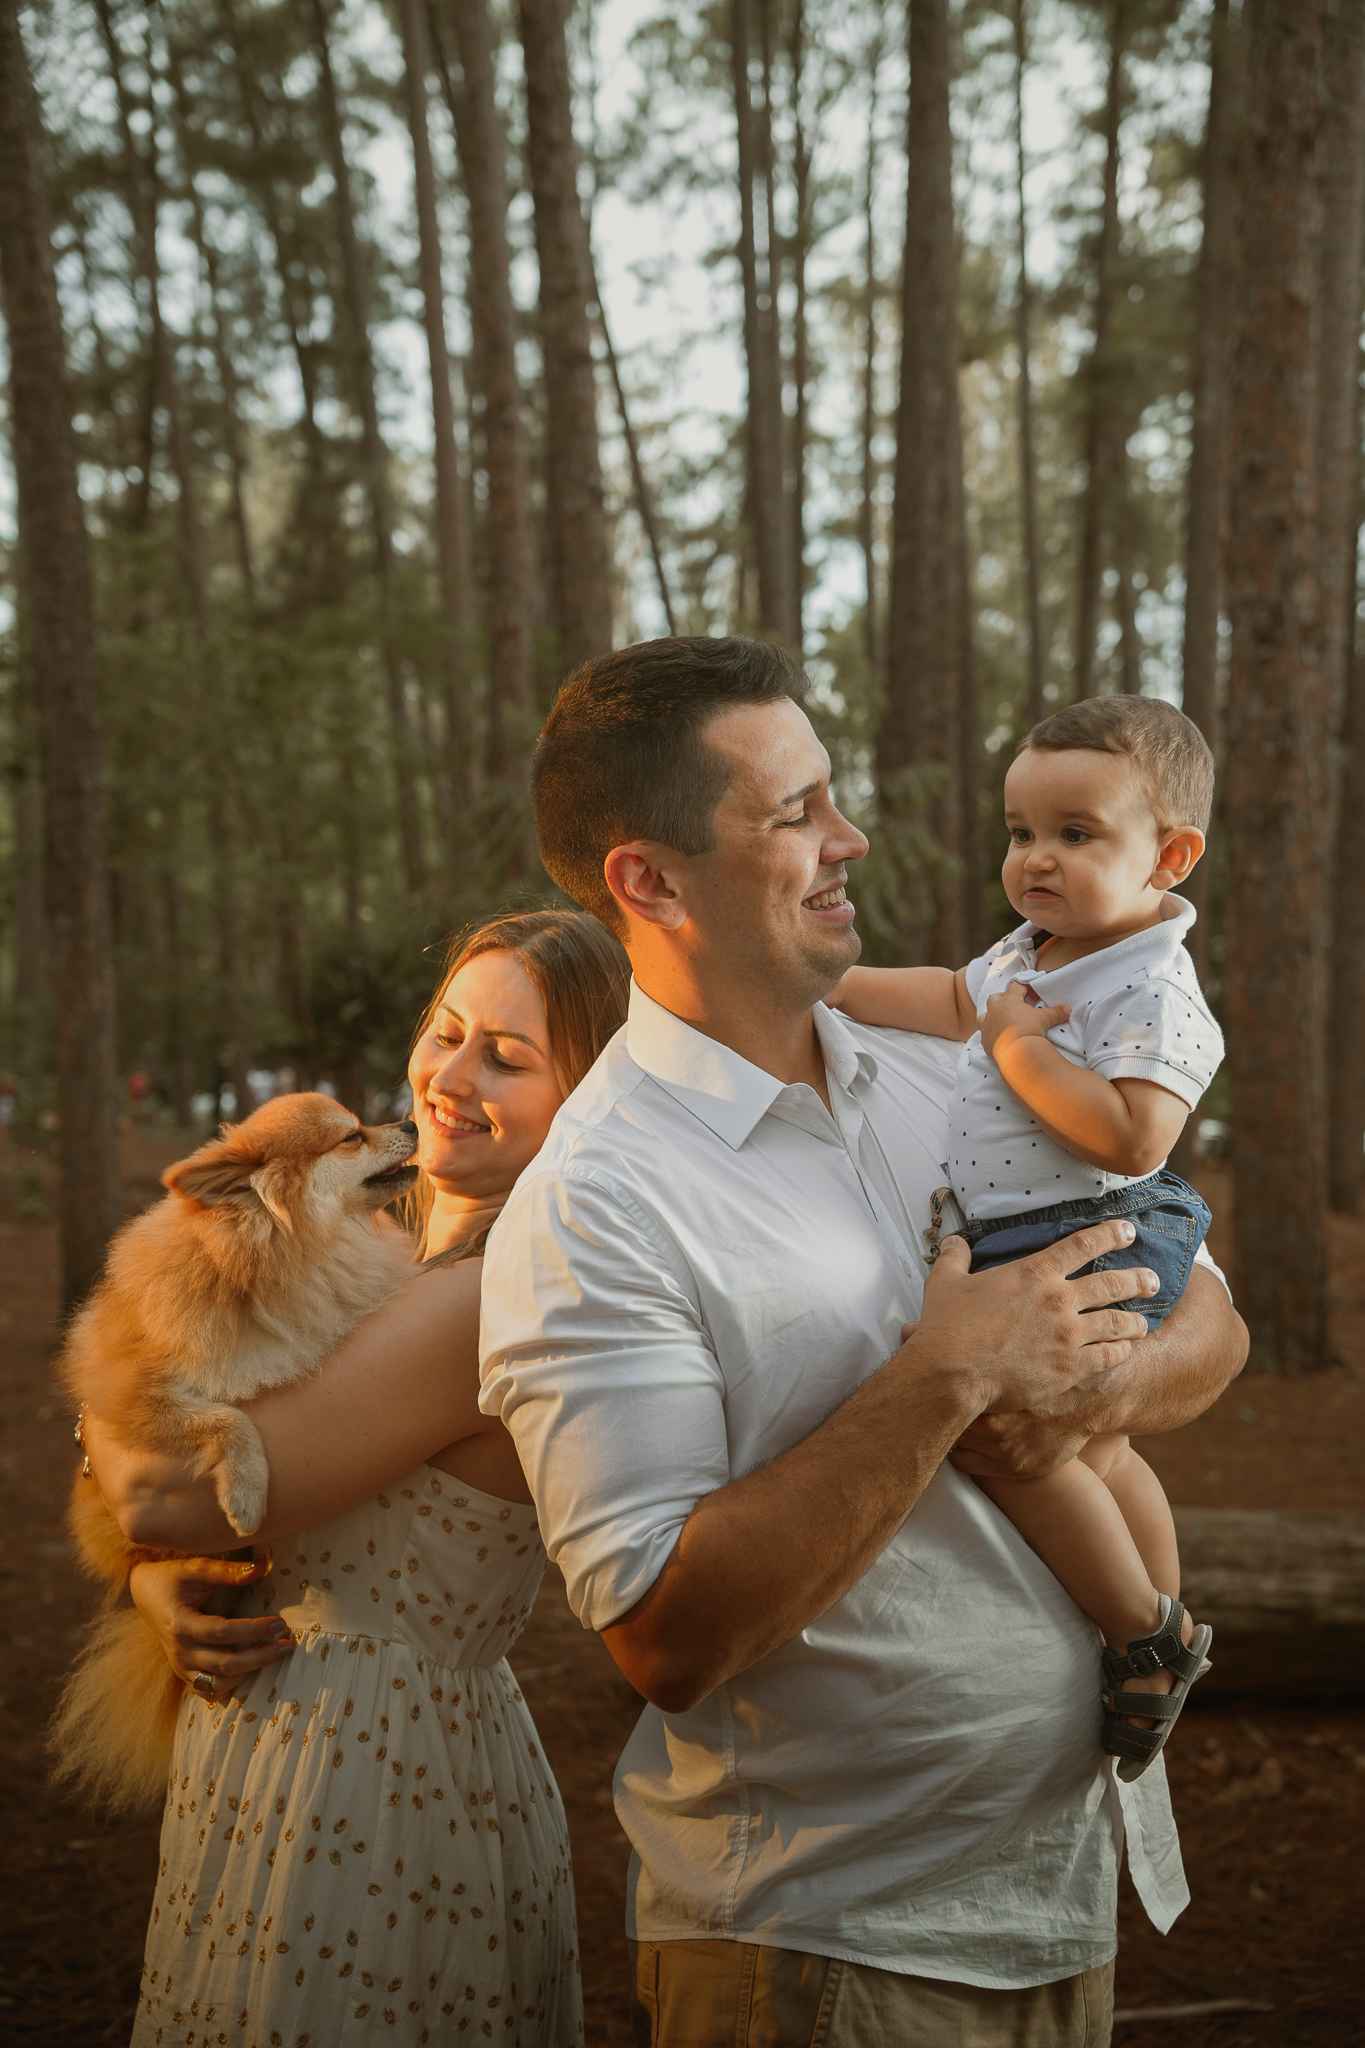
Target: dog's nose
[(408, 1126)]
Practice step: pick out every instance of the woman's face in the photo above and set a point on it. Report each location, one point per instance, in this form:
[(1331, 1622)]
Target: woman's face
[(483, 1087)]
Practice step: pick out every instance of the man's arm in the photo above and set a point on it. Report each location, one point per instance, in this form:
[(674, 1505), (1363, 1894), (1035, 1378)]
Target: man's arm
[(595, 1358), (1179, 1371)]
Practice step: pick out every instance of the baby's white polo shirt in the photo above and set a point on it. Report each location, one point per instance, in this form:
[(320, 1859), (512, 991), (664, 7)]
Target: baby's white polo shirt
[(1137, 1012)]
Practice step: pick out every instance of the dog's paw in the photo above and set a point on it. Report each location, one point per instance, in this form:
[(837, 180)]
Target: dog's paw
[(240, 1482)]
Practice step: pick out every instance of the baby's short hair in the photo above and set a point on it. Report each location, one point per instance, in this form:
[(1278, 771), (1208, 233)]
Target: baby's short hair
[(1167, 749)]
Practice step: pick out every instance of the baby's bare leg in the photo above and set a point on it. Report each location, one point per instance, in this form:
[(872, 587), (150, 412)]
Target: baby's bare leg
[(1076, 1526), (1143, 1504)]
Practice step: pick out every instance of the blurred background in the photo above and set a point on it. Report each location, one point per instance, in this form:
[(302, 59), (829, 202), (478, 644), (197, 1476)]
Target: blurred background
[(369, 363)]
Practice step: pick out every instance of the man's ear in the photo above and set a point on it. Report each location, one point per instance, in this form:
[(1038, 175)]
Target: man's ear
[(1177, 856), (643, 878)]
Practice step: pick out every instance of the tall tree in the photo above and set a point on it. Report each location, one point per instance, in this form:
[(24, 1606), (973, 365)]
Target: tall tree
[(765, 495), (1206, 501), (800, 351), (926, 715), (1339, 505), (1276, 705), (360, 389), (867, 499), (60, 612), (580, 554), (1023, 331), (482, 149), (1103, 445), (453, 560)]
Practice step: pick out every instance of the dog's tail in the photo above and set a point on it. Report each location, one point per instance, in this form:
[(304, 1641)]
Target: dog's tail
[(112, 1733)]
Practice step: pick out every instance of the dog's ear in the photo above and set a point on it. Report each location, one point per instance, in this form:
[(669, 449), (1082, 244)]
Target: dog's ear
[(218, 1172), (268, 1185)]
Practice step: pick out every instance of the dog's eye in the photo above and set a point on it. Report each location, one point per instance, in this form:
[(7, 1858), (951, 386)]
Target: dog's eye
[(354, 1138)]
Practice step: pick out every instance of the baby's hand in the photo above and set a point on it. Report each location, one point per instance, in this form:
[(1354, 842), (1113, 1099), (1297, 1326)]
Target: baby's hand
[(1019, 1013)]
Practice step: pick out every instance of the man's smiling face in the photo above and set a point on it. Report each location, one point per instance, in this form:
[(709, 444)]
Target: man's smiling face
[(766, 904)]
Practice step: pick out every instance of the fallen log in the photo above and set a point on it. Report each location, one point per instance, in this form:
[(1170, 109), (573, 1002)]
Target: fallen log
[(1286, 1597)]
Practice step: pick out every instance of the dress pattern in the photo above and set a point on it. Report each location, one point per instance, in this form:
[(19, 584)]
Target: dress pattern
[(366, 1843)]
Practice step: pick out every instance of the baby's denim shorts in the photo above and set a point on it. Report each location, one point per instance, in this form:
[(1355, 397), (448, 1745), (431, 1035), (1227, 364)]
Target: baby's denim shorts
[(1169, 1216)]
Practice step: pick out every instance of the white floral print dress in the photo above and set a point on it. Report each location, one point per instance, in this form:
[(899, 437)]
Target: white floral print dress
[(367, 1843)]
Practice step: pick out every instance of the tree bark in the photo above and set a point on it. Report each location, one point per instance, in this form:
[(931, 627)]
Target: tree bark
[(765, 492), (453, 560), (482, 149), (579, 551), (867, 504), (222, 345), (60, 609), (1339, 424), (142, 180), (1206, 515), (1276, 706), (639, 481), (1103, 451), (1287, 1593), (359, 359), (1023, 336), (924, 715), (800, 357)]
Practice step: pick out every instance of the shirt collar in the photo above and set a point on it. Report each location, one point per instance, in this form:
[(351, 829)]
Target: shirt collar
[(728, 1093), (1147, 949)]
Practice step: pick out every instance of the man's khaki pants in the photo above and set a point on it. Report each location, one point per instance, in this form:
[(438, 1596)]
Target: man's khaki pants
[(732, 1994)]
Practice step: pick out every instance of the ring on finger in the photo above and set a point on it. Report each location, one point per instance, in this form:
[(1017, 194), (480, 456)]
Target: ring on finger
[(205, 1684)]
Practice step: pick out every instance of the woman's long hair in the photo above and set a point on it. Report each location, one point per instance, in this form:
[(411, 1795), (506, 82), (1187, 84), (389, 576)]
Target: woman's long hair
[(583, 975)]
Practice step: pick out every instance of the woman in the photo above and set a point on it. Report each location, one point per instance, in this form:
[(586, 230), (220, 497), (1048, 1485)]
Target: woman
[(366, 1840)]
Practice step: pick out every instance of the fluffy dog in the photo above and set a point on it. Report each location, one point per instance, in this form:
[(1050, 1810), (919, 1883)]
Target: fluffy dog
[(267, 1248)]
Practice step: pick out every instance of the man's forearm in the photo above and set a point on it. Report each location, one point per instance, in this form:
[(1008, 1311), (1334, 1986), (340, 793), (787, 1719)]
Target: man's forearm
[(760, 1558), (1176, 1372)]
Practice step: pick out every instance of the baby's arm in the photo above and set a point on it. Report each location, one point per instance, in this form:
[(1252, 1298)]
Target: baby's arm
[(1126, 1126), (929, 999)]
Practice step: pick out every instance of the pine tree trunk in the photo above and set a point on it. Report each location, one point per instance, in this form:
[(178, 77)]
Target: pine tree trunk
[(359, 361), (453, 559), (142, 181), (867, 504), (480, 142), (800, 360), (57, 585), (765, 492), (1103, 450), (1345, 1063), (1339, 503), (222, 346), (1274, 981), (31, 993), (1023, 334), (922, 723), (579, 552), (639, 481), (1206, 515)]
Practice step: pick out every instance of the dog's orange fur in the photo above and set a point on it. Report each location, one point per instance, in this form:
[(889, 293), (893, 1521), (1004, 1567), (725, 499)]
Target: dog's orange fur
[(268, 1246)]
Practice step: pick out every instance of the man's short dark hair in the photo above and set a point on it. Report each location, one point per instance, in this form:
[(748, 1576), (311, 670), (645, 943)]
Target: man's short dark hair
[(622, 755), (1169, 752)]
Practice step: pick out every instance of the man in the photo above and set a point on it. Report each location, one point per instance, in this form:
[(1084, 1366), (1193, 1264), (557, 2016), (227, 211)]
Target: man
[(867, 1800)]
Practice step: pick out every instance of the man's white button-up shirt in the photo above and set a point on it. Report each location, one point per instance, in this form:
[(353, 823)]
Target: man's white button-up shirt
[(701, 1265)]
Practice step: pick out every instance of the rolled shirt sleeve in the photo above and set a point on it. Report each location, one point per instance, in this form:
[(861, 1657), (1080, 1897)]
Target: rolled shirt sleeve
[(595, 1358), (1156, 1030)]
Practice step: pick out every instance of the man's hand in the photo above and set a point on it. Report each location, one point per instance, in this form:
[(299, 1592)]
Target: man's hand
[(1019, 1014), (1024, 1330), (1017, 1446)]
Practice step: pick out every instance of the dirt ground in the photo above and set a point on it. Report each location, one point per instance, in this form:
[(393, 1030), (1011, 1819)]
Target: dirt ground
[(1271, 1801)]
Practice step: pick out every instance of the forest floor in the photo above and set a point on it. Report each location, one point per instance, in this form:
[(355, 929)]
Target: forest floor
[(1271, 1801)]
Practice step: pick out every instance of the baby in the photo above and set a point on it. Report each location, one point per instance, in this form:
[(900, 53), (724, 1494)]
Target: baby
[(1086, 1044)]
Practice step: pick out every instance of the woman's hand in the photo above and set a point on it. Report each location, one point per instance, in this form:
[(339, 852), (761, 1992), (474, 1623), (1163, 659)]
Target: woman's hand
[(188, 1601)]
